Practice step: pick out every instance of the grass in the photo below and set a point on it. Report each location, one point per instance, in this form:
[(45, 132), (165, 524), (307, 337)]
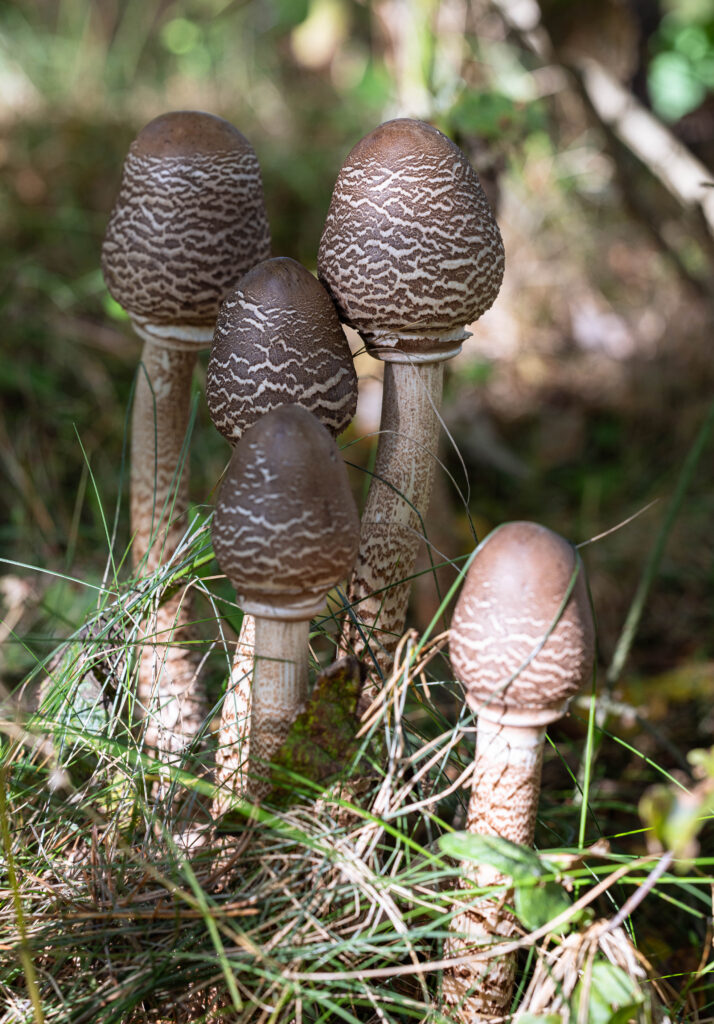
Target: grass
[(324, 908)]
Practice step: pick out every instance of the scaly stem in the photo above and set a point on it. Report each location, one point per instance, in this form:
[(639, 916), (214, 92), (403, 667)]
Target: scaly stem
[(167, 684), (280, 680), (504, 802), (234, 734), (160, 419), (396, 507), (167, 678)]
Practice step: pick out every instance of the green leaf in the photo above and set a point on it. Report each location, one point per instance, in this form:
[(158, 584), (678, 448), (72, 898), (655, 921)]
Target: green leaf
[(517, 862), (493, 116), (675, 818), (538, 904), (702, 762), (612, 996)]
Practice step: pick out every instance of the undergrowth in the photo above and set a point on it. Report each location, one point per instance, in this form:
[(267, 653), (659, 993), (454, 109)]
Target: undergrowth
[(123, 901)]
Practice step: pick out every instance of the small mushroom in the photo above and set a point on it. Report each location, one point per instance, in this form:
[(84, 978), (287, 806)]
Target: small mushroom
[(188, 221), (410, 253), (278, 340), (522, 643), (285, 531)]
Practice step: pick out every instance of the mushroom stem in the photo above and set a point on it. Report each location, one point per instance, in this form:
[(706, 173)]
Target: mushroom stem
[(166, 684), (508, 766), (504, 802), (160, 420), (234, 732), (167, 691), (396, 507), (280, 684), (522, 641)]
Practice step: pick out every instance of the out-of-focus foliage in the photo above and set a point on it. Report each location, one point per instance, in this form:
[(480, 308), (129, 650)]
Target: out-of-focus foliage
[(681, 70)]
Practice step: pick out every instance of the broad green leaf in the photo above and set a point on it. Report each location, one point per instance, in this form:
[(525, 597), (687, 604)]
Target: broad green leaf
[(613, 997), (518, 862), (536, 905)]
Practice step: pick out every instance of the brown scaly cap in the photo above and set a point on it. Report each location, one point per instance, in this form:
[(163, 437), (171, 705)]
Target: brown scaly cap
[(188, 221), (410, 244), (508, 604), (278, 340), (286, 526)]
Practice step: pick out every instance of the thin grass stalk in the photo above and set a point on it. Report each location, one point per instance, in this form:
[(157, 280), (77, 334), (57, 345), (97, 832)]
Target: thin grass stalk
[(28, 964)]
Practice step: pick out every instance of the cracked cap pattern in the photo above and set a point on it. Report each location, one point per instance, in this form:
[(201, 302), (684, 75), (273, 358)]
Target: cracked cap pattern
[(189, 220), (410, 245), (286, 524), (508, 605), (278, 341)]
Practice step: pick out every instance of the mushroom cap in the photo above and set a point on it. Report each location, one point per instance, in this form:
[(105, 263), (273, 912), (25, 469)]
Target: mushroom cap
[(518, 659), (410, 244), (286, 527), (278, 340), (189, 220)]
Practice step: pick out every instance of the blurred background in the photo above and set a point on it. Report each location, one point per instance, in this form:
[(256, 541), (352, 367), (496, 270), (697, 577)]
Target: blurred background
[(582, 392)]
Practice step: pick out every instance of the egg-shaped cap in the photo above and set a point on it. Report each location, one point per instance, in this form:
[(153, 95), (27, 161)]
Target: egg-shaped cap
[(286, 527), (520, 654), (189, 220), (278, 340), (410, 251)]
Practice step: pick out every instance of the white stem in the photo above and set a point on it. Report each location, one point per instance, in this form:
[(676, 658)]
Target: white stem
[(160, 419), (234, 733), (396, 508), (280, 681), (167, 679), (504, 802)]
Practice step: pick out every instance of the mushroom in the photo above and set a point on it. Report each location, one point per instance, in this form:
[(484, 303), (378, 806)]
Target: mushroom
[(410, 253), (285, 531), (188, 221), (278, 340), (522, 643)]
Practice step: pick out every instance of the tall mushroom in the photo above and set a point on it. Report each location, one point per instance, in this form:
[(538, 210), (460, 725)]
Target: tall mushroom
[(278, 340), (285, 531), (410, 253), (188, 221), (522, 643)]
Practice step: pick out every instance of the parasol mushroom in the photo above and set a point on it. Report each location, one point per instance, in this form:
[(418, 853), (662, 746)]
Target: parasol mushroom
[(410, 253), (188, 221), (285, 531), (522, 643)]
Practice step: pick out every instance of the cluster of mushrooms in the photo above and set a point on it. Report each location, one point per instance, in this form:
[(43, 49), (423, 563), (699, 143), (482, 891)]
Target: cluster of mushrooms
[(410, 255)]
